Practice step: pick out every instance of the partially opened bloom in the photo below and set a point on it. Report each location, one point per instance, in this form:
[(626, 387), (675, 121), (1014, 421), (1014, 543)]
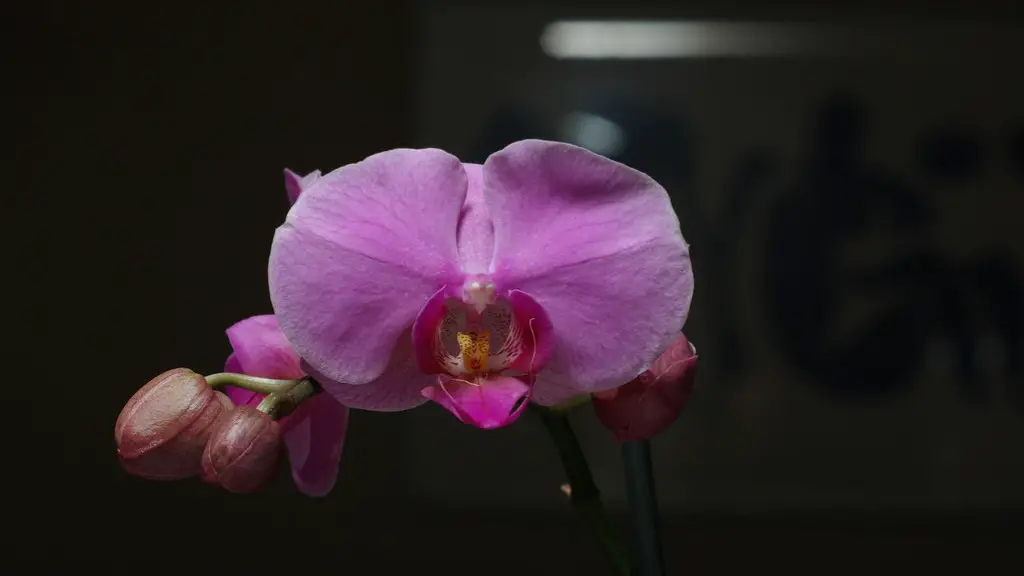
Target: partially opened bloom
[(646, 405), (314, 433), (546, 272), (242, 453), (162, 430)]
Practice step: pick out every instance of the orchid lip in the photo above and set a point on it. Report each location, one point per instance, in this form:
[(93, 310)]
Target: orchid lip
[(485, 349), (485, 402)]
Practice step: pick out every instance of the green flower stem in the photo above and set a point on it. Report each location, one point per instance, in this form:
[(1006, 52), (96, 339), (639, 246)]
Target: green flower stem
[(280, 404), (583, 493), (251, 383), (283, 396)]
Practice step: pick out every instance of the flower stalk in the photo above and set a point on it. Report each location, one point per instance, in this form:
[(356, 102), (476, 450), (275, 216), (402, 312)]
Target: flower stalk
[(251, 383), (582, 491), (280, 404), (643, 508), (282, 396)]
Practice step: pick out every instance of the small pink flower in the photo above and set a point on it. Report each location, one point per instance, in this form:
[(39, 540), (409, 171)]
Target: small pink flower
[(314, 434), (646, 405), (162, 430), (242, 454)]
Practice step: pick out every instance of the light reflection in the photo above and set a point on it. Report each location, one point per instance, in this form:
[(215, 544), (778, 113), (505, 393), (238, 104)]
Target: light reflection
[(593, 132), (671, 39)]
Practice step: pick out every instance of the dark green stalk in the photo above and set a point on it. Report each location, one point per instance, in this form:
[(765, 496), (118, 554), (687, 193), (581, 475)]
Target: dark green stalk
[(583, 493), (643, 508)]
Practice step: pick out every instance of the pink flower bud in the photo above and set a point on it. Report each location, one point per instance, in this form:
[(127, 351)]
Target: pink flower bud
[(162, 430), (646, 405), (243, 451)]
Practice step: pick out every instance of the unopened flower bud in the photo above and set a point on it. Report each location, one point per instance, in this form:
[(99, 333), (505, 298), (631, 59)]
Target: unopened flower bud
[(645, 406), (243, 451), (162, 430)]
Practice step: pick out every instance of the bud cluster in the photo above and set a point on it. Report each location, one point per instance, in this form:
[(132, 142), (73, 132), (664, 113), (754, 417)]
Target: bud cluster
[(177, 427)]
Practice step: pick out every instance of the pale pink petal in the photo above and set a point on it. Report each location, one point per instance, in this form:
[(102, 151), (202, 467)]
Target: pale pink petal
[(314, 436), (295, 184), (488, 403), (261, 349), (598, 246), (359, 255), (398, 388), (476, 232)]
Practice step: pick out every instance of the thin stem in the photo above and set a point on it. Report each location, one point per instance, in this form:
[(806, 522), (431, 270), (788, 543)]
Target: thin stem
[(643, 508), (280, 404), (252, 383), (582, 492)]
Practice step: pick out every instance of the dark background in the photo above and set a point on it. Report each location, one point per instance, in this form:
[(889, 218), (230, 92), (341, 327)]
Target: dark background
[(855, 238)]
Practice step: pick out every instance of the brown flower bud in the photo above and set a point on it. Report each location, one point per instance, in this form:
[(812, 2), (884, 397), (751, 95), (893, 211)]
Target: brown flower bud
[(242, 453), (646, 405), (162, 430)]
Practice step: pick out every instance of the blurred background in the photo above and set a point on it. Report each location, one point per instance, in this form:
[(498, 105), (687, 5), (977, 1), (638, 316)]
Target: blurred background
[(850, 177)]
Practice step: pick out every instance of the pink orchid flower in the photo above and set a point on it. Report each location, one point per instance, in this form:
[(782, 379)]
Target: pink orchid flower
[(545, 273), (314, 433)]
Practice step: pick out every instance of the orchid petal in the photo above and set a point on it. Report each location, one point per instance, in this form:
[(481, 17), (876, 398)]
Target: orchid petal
[(261, 349), (295, 184), (476, 232), (233, 365), (397, 388), (598, 246), (488, 403), (314, 436), (360, 253)]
